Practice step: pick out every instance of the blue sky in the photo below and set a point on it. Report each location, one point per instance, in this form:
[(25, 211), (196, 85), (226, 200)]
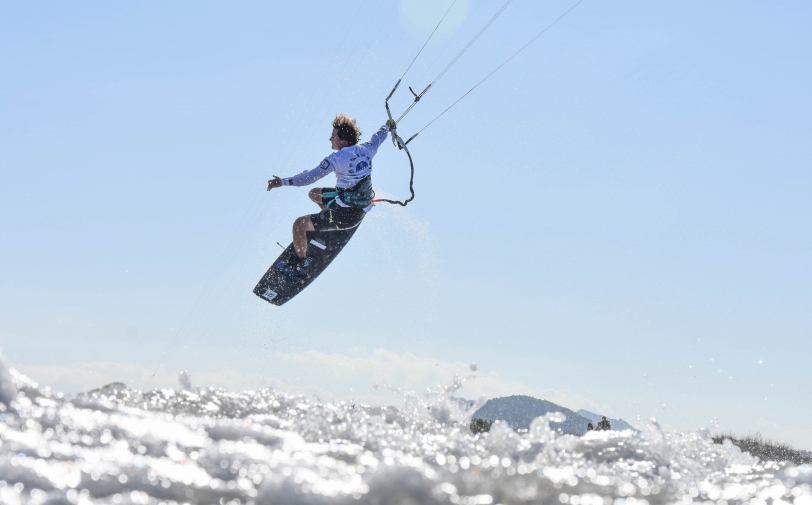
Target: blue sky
[(617, 220)]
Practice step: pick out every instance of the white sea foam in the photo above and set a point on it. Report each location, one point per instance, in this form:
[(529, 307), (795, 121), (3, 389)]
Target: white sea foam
[(8, 390), (116, 445)]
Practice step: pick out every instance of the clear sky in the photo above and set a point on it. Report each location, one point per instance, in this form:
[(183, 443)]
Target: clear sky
[(618, 220)]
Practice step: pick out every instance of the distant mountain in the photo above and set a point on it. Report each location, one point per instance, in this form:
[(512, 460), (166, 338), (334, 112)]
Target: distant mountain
[(519, 411), (616, 424)]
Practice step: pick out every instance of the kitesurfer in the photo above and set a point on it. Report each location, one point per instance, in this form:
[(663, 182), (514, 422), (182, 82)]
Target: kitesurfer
[(345, 205)]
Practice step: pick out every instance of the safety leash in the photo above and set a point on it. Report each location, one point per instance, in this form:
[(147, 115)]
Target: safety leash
[(401, 145)]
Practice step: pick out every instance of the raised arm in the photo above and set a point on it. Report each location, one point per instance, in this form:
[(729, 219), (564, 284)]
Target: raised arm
[(377, 138)]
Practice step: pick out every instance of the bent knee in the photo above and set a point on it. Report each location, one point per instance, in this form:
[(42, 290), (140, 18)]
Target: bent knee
[(302, 223), (315, 194)]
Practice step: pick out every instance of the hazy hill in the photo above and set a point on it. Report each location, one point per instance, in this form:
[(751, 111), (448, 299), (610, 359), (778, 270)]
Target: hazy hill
[(519, 411)]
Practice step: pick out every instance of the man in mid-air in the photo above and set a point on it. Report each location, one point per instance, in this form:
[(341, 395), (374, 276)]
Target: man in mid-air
[(345, 205)]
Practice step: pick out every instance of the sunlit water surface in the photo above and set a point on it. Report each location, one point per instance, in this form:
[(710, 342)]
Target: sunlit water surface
[(118, 445)]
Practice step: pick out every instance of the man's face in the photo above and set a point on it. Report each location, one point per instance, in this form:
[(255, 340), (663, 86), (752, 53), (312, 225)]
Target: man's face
[(336, 142)]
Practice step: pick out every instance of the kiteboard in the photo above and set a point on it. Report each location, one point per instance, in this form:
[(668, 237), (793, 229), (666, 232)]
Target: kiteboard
[(283, 281)]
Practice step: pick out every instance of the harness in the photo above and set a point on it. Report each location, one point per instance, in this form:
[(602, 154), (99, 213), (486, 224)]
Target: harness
[(360, 195)]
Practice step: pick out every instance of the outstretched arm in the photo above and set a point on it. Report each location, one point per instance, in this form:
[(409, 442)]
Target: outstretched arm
[(305, 178)]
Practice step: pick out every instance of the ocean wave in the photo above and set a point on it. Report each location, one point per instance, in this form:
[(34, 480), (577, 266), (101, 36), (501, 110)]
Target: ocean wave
[(117, 445)]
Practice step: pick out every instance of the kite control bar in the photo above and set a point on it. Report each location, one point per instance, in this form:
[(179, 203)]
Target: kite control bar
[(396, 140)]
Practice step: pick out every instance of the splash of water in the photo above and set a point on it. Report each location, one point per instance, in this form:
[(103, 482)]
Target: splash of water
[(202, 445)]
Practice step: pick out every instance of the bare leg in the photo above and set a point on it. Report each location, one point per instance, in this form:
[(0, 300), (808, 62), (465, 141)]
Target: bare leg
[(315, 195), (301, 226)]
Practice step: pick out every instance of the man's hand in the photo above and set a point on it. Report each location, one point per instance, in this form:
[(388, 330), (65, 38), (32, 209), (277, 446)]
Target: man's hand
[(392, 124), (276, 182)]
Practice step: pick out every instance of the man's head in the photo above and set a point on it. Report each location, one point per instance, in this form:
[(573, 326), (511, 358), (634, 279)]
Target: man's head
[(345, 132)]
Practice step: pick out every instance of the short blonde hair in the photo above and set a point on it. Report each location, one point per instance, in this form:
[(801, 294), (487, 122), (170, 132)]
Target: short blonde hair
[(347, 129)]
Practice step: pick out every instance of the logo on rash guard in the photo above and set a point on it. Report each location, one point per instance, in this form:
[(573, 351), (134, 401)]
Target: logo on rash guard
[(325, 165), (361, 166)]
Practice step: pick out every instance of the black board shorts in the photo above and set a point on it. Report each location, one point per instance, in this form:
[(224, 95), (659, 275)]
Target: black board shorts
[(336, 217)]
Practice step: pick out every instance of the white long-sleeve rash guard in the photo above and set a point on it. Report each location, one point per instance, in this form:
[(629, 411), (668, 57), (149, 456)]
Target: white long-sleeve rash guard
[(351, 164)]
